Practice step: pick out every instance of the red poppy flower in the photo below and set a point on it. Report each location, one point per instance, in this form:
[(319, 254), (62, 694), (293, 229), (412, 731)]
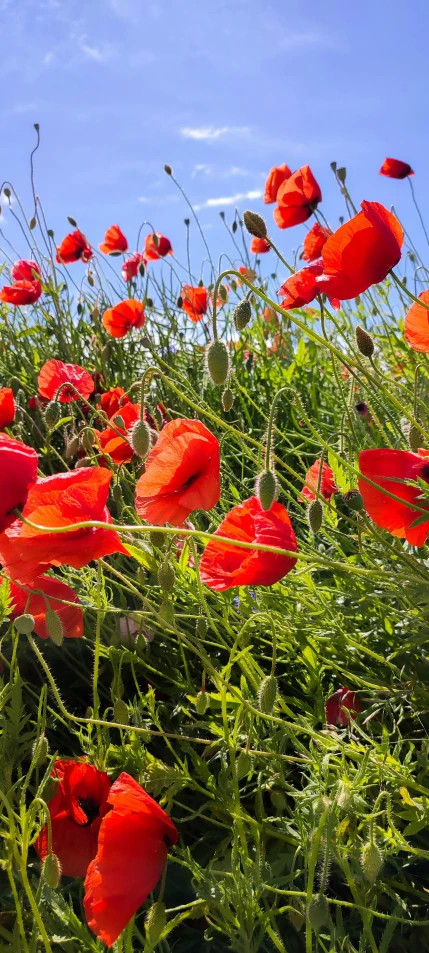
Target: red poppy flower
[(395, 169), (74, 247), (416, 327), (258, 246), (18, 472), (182, 474), (156, 246), (343, 698), (119, 447), (53, 594), (55, 373), (114, 241), (194, 302), (131, 266), (124, 316), (361, 252), (7, 407), (25, 270), (302, 287), (133, 843), (276, 176), (113, 400), (76, 810), (390, 470), (297, 198), (327, 486), (21, 292), (55, 501), (248, 273), (314, 242), (223, 567)]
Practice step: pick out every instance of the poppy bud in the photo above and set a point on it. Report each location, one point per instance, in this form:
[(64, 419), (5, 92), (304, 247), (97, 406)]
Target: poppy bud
[(242, 314), (40, 752), (166, 577), (318, 913), (166, 612), (168, 169), (72, 446), (341, 174), (54, 626), (140, 438), (202, 702), (7, 192), (120, 712), (117, 492), (90, 279), (105, 353), (266, 489), (87, 440), (217, 359), (119, 421), (32, 223), (243, 764), (157, 539), (315, 516), (364, 342), (149, 304), (267, 694), (155, 921), (413, 436), (334, 166), (52, 871), (72, 221), (52, 413), (354, 500), (255, 224), (84, 462), (24, 624), (372, 861), (234, 227), (201, 627), (344, 798)]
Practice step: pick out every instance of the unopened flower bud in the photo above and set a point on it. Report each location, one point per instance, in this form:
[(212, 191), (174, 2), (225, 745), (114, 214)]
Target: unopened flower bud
[(120, 712), (227, 399), (341, 174), (117, 492), (318, 913), (202, 702), (140, 438), (71, 446), (40, 752), (155, 921), (166, 612), (201, 627), (52, 413), (267, 694), (372, 861), (166, 577), (255, 224), (157, 539), (364, 342), (52, 871), (24, 624), (217, 359), (119, 422), (54, 626), (266, 489), (87, 440), (168, 169), (354, 500), (84, 462), (242, 314), (315, 516)]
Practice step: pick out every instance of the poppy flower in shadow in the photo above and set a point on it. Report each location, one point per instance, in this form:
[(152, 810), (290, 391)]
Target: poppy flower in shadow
[(194, 302), (314, 241), (396, 471), (276, 176), (342, 698), (53, 594), (327, 485), (156, 246), (116, 444), (21, 292), (297, 198), (56, 373), (131, 265), (7, 407), (128, 314), (416, 327), (395, 169), (114, 242), (18, 472), (74, 247)]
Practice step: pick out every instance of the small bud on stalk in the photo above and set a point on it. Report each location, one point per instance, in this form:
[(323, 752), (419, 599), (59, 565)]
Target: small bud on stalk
[(267, 694), (354, 500), (315, 516), (242, 314), (24, 624), (52, 413), (364, 342), (201, 627), (120, 712), (40, 751), (227, 399), (168, 169), (54, 626), (84, 462), (202, 702), (166, 577), (52, 871), (266, 488), (155, 921), (140, 438), (372, 861), (255, 224), (318, 913), (217, 359)]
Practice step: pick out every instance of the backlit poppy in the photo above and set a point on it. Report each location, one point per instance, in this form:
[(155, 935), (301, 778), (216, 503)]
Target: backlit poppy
[(133, 843), (128, 314), (390, 470), (223, 567), (301, 288), (416, 327), (342, 698), (7, 407), (327, 485), (297, 198), (259, 246), (18, 472), (395, 169), (74, 247), (116, 446), (361, 252), (314, 242), (60, 500), (182, 474), (55, 373), (114, 242), (156, 246), (77, 809), (25, 270), (131, 265), (248, 273), (53, 594), (112, 400), (276, 176), (194, 302), (21, 292)]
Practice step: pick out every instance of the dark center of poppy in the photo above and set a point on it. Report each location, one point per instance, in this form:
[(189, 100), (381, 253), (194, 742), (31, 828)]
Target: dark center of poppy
[(90, 808), (424, 473)]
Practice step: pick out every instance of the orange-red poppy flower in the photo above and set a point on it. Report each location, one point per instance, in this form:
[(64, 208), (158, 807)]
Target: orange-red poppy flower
[(395, 169), (182, 474), (114, 242), (156, 246), (74, 247), (133, 843), (223, 567), (194, 302), (416, 327), (7, 407), (302, 287), (248, 273), (361, 252), (116, 446), (112, 400), (276, 176), (131, 265), (297, 198), (342, 698), (259, 246), (18, 472), (77, 809), (51, 594), (314, 242), (21, 292), (327, 485), (392, 470), (56, 501), (26, 270), (56, 373), (128, 314)]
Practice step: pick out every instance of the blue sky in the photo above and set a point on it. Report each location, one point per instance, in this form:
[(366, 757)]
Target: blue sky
[(220, 89)]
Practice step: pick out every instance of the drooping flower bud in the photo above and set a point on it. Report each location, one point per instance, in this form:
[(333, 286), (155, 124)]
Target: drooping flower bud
[(52, 413), (315, 516), (40, 751), (266, 488), (364, 342), (411, 433), (227, 399), (267, 693), (354, 500), (217, 359), (372, 861), (83, 462), (119, 421), (52, 871), (24, 624), (120, 712), (155, 921), (255, 224), (202, 702), (168, 169), (54, 626), (201, 627), (318, 913), (140, 438), (242, 314), (166, 577)]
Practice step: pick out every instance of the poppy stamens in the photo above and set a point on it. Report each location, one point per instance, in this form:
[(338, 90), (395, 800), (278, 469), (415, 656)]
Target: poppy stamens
[(90, 808)]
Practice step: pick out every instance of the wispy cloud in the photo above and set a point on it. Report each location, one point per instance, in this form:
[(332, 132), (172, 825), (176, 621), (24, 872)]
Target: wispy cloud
[(210, 133), (229, 199), (201, 169), (48, 58), (159, 199), (99, 54), (299, 41)]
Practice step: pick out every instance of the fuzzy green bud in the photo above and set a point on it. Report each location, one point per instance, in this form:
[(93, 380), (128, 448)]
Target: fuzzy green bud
[(318, 913), (217, 359), (255, 224), (87, 440), (412, 434), (120, 712), (52, 871), (201, 627), (52, 413), (117, 492), (166, 612), (155, 921), (243, 764), (227, 399), (267, 693), (24, 624), (40, 751), (372, 861), (166, 577), (54, 626), (354, 500), (71, 446), (202, 702), (266, 489), (364, 342), (119, 422), (140, 438), (84, 462), (242, 314), (315, 516), (157, 539)]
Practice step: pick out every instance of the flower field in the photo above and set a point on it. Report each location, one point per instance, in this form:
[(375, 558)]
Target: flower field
[(214, 601)]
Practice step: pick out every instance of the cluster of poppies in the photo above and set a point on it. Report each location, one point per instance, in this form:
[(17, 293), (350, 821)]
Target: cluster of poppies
[(27, 284)]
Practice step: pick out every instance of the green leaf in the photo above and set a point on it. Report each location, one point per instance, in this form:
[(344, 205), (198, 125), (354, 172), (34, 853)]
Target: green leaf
[(340, 476)]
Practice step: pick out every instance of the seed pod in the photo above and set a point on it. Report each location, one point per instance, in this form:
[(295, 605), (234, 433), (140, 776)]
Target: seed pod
[(202, 702), (267, 694), (341, 174), (140, 438), (157, 539), (266, 488), (201, 627), (166, 612), (372, 861), (84, 462), (318, 913), (243, 764), (166, 577), (364, 342), (255, 224), (227, 399), (168, 169), (119, 422), (120, 712), (179, 302), (54, 626), (159, 420), (315, 516), (24, 624), (40, 751), (155, 921), (52, 413), (217, 359), (354, 500), (52, 871), (242, 314), (117, 492)]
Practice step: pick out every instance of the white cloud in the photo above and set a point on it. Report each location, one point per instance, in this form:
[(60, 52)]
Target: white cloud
[(158, 200), (229, 199), (48, 58), (210, 133), (99, 54), (235, 170), (202, 169)]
